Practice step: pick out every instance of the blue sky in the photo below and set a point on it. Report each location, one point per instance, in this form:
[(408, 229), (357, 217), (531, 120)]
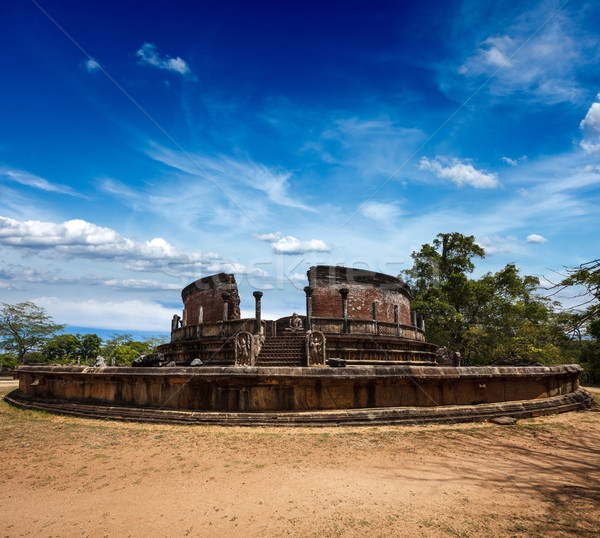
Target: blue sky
[(143, 146)]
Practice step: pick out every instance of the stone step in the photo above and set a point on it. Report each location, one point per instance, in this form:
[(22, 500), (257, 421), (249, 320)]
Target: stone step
[(284, 350)]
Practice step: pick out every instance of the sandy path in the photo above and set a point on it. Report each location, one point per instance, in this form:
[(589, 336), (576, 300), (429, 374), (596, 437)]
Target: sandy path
[(71, 477)]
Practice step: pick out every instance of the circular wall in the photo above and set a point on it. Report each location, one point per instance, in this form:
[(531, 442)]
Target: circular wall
[(364, 289)]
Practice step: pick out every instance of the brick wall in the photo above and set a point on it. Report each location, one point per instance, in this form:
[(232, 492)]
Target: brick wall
[(206, 293), (365, 288)]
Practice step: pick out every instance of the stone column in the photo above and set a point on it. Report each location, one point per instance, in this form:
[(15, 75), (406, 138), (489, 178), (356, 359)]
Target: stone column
[(413, 318), (375, 318), (397, 319), (225, 296), (257, 312), (184, 318), (308, 290), (200, 315), (344, 293), (420, 321)]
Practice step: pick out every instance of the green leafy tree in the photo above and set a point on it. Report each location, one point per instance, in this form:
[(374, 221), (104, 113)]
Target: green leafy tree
[(9, 361), (441, 288), (497, 318), (125, 350), (62, 348), (89, 347), (585, 320), (24, 328), (115, 340)]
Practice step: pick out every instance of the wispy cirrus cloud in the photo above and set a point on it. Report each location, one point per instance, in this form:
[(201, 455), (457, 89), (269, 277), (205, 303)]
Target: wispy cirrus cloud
[(231, 173), (382, 212), (148, 54), (18, 276), (36, 182), (459, 172), (538, 52), (514, 162), (374, 147)]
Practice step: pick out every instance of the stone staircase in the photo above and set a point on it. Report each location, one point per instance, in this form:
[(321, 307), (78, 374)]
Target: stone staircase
[(286, 350)]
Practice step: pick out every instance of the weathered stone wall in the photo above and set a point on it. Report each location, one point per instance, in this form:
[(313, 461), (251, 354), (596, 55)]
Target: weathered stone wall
[(258, 389), (206, 293), (365, 288)]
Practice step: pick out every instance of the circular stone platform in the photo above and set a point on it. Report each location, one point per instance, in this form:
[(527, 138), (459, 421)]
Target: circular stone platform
[(304, 395)]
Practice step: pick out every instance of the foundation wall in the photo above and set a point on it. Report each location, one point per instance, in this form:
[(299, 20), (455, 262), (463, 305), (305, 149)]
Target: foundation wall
[(252, 389)]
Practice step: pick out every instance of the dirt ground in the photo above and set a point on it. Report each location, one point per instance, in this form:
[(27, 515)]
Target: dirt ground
[(65, 476)]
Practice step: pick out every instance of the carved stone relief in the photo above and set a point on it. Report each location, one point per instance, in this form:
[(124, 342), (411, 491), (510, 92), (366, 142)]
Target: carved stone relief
[(315, 348)]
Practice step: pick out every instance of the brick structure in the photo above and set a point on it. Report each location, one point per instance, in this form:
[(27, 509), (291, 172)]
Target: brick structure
[(364, 289), (203, 301), (361, 317)]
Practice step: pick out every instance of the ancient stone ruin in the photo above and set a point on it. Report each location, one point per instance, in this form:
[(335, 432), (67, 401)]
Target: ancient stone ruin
[(358, 355), (354, 316)]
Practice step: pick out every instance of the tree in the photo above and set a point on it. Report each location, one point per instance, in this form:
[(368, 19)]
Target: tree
[(511, 323), (585, 320), (441, 288), (62, 348), (125, 350), (115, 340), (25, 327), (89, 347), (447, 259), (499, 317)]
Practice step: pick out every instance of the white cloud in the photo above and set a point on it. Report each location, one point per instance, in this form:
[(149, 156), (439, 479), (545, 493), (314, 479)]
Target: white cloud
[(535, 238), (148, 54), (81, 239), (591, 122), (591, 125), (590, 147), (269, 238), (385, 213), (460, 173), (490, 55), (291, 245), (514, 162), (91, 65), (31, 180), (125, 315), (497, 245)]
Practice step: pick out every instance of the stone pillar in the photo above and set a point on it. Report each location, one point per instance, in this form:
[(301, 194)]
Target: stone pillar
[(413, 318), (420, 321), (397, 319), (375, 318), (308, 290), (184, 318), (344, 293), (225, 296), (257, 312), (200, 315)]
